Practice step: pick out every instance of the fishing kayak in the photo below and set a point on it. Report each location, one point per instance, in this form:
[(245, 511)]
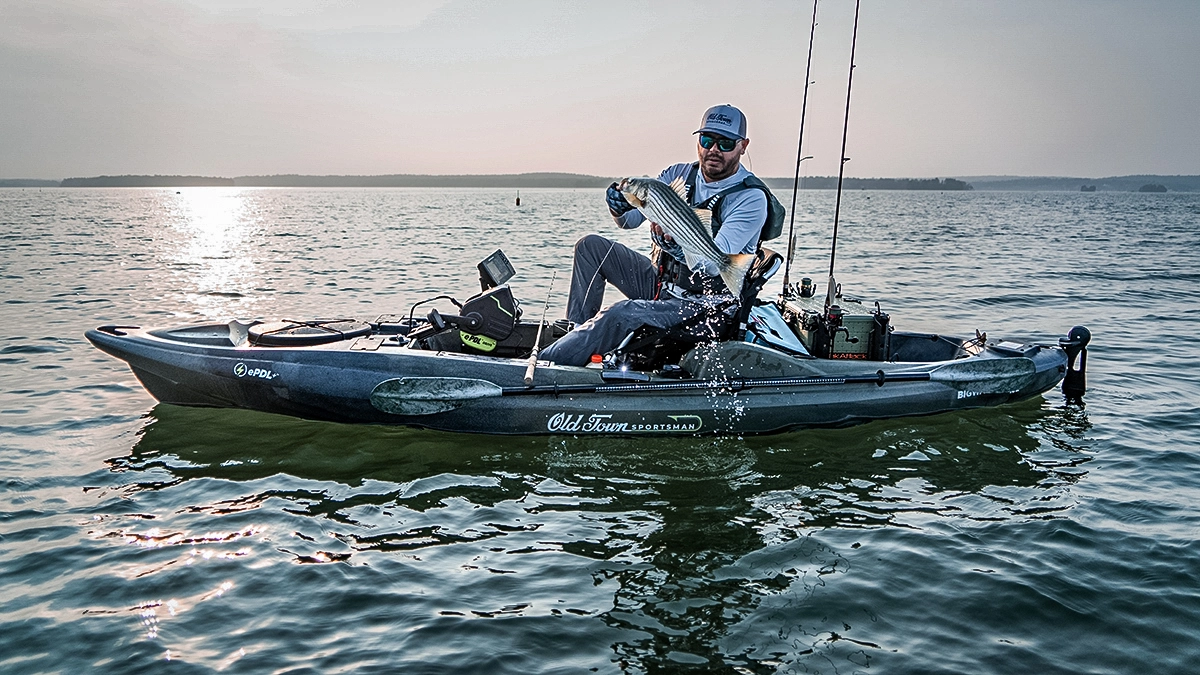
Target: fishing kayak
[(794, 366)]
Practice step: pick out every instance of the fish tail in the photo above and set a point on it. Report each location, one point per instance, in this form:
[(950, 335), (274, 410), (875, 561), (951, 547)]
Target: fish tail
[(733, 273)]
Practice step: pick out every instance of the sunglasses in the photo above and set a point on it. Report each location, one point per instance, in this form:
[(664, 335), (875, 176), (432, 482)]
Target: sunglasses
[(723, 144)]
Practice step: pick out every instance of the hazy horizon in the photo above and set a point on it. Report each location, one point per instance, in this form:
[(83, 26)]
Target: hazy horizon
[(584, 175), (941, 89)]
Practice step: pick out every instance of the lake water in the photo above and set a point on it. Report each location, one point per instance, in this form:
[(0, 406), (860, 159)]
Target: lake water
[(1032, 538)]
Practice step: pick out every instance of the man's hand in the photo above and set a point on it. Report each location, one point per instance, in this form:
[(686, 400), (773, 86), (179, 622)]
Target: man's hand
[(663, 240), (617, 205)]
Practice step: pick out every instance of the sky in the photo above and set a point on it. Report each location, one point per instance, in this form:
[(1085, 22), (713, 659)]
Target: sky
[(1086, 88)]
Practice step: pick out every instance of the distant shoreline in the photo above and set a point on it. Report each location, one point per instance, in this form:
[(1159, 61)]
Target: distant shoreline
[(1133, 183)]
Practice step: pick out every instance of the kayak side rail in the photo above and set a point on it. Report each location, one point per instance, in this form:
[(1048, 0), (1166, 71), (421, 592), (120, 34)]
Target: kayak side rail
[(429, 395), (731, 385)]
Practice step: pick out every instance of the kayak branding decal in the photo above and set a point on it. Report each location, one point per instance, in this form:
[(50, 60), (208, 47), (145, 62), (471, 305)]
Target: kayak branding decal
[(241, 370), (481, 342), (969, 394), (605, 424)]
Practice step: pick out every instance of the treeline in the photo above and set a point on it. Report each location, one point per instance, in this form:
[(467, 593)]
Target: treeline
[(27, 182), (147, 181), (1134, 183), (830, 183), (519, 180)]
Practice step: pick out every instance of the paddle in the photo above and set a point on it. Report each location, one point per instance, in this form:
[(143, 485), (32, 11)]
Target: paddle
[(430, 395)]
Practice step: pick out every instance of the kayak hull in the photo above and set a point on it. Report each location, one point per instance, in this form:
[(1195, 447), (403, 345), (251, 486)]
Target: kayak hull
[(204, 366)]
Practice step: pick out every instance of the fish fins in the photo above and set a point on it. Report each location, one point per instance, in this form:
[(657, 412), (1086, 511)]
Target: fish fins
[(679, 185), (734, 273)]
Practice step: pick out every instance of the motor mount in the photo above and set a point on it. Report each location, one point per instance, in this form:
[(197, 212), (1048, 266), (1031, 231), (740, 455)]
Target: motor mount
[(1074, 383)]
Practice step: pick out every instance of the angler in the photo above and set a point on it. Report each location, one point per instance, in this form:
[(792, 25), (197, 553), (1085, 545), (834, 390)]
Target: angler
[(688, 277), (686, 354)]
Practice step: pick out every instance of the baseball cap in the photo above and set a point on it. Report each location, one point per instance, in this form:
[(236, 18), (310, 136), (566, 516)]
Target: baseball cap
[(725, 120)]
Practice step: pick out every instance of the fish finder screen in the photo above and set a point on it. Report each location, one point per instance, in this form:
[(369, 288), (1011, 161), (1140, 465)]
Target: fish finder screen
[(495, 270)]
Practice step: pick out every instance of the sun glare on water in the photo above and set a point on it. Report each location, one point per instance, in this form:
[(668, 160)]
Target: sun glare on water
[(214, 253)]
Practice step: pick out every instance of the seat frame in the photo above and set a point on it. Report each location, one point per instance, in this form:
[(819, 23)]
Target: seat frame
[(650, 348)]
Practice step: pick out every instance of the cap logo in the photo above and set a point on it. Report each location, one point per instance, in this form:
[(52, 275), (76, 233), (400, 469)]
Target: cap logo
[(719, 117)]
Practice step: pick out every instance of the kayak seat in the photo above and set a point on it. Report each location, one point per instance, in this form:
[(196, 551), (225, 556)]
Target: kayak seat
[(651, 348), (766, 264)]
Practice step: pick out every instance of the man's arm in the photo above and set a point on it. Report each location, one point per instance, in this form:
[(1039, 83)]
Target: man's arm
[(629, 219)]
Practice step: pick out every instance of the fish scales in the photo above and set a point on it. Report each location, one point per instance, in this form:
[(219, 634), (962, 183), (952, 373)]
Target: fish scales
[(682, 222)]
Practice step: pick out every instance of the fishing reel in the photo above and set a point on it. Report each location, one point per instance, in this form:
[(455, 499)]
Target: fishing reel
[(826, 327)]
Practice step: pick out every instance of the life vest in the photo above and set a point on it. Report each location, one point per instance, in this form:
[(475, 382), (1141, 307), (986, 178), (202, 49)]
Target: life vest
[(772, 227), (672, 271)]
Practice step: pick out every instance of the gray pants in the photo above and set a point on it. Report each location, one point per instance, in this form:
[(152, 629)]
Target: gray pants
[(598, 260)]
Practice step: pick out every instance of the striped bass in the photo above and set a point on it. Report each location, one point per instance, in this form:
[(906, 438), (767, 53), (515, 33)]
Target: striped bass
[(663, 204)]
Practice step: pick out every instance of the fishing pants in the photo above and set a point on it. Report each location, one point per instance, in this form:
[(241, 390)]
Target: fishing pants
[(608, 329), (599, 260)]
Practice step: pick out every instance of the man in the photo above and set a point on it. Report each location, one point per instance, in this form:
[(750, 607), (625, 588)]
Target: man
[(663, 292)]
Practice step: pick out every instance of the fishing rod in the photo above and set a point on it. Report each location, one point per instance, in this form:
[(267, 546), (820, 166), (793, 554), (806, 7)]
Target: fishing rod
[(537, 340), (787, 269), (831, 292)]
